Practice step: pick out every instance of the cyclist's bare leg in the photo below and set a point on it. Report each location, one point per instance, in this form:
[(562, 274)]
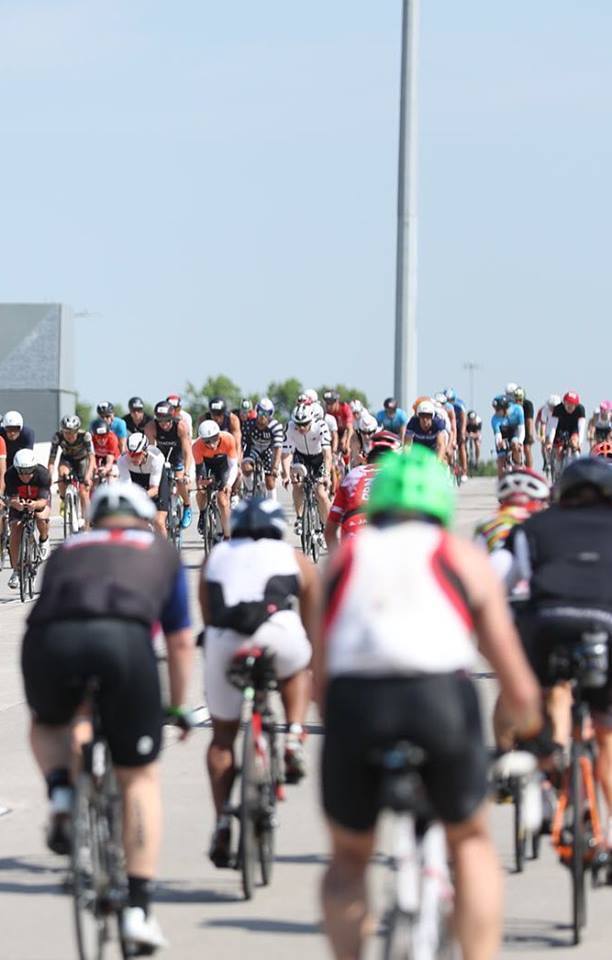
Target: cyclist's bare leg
[(62, 474), (517, 454), (478, 887), (182, 487), (270, 479), (84, 498), (51, 746), (16, 530), (298, 498), (559, 710), (220, 761), (223, 499), (463, 456), (42, 523), (160, 523), (295, 694), (323, 501), (142, 818), (477, 450), (344, 893), (528, 451)]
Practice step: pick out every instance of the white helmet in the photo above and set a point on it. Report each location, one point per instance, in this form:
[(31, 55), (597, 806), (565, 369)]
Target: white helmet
[(312, 395), (71, 422), (137, 443), (554, 400), (367, 423), (303, 414), (356, 407), (12, 418), (317, 409), (441, 399), (111, 499), (522, 485), (209, 429), (511, 387), (425, 406), (25, 460)]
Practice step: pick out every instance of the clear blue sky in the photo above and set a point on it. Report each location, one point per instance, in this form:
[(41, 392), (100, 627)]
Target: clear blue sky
[(218, 182)]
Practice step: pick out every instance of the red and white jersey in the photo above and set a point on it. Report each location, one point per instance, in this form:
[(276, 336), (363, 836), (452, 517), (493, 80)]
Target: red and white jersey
[(349, 503), (397, 605)]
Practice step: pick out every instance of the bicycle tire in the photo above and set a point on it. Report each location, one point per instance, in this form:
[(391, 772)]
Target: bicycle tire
[(520, 839), (67, 515), (90, 923), (32, 564), (398, 937), (265, 833), (4, 542), (314, 542), (577, 871), (22, 566), (306, 534), (248, 852)]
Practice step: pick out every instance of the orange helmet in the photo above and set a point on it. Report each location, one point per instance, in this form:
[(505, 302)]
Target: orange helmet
[(603, 449)]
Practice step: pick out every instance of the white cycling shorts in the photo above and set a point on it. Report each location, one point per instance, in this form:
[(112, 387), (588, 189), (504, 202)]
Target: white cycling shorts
[(283, 633)]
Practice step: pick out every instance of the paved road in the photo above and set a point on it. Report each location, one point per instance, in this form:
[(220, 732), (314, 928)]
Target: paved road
[(199, 907)]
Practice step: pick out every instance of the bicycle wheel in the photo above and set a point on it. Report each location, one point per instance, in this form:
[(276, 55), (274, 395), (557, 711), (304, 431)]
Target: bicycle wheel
[(22, 567), (520, 838), (314, 539), (398, 937), (4, 550), (88, 837), (248, 851), (306, 535), (577, 799), (266, 819), (67, 514)]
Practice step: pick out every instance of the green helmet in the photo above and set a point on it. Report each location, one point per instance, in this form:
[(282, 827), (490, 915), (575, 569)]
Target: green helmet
[(412, 481)]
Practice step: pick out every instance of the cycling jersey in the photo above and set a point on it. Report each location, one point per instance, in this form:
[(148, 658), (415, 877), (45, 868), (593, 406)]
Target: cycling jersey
[(344, 417), (511, 425), (146, 474), (129, 574), (2, 448), (394, 423), (397, 607), (310, 442), (136, 427), (38, 486), (81, 448), (493, 533), (117, 425), (24, 441), (261, 439), (567, 424), (169, 444), (219, 461), (348, 507), (473, 426), (422, 437), (105, 445)]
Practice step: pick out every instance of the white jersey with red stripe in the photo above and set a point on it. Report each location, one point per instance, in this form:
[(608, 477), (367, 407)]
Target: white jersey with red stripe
[(397, 606), (348, 508)]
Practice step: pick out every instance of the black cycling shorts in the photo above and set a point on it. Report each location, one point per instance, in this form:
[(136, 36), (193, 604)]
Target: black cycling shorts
[(78, 467), (216, 469), (57, 660), (162, 500), (439, 713), (266, 456), (314, 463)]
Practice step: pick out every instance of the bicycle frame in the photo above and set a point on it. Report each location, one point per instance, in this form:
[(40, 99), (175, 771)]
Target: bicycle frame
[(175, 508)]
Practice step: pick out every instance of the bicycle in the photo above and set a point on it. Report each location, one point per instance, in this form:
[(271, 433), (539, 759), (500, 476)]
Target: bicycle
[(29, 556), (253, 672), (517, 778), (4, 533), (419, 917), (175, 510), (561, 454), (577, 836), (72, 505), (211, 528), (311, 526), (472, 459)]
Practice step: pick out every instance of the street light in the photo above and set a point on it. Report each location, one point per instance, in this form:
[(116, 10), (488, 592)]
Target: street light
[(471, 367)]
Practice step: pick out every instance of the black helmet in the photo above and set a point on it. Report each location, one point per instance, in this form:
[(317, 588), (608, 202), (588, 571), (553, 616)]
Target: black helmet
[(258, 518), (585, 472), (163, 411), (217, 405), (136, 403), (105, 408), (331, 396)]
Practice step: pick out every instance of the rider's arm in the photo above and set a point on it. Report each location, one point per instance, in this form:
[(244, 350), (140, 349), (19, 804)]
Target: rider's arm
[(581, 423), (55, 442), (236, 432), (441, 445), (179, 639), (2, 464), (552, 429), (183, 434)]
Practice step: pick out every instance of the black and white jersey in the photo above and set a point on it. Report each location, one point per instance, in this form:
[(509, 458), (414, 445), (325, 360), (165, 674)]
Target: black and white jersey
[(259, 440), (308, 442)]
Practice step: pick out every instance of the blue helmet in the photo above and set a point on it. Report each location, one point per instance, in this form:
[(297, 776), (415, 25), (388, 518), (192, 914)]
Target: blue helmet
[(500, 401), (450, 394)]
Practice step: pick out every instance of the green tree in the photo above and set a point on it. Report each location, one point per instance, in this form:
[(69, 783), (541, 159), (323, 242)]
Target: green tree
[(83, 411), (284, 395), (196, 400), (346, 393)]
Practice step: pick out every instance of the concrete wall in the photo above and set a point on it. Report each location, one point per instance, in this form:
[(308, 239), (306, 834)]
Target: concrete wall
[(37, 363)]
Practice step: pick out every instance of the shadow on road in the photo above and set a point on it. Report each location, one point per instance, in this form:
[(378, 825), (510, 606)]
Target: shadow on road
[(527, 934), (264, 926), (55, 882), (313, 858), (176, 891)]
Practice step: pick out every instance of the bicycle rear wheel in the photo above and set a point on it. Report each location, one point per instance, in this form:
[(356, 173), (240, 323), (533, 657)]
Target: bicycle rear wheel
[(67, 514), (578, 886), (306, 535), (520, 838), (314, 539), (248, 851), (266, 821), (26, 565), (399, 936), (91, 921)]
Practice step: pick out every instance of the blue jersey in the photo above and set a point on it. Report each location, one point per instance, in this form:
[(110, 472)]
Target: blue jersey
[(420, 436), (459, 407), (394, 423), (508, 424), (118, 427)]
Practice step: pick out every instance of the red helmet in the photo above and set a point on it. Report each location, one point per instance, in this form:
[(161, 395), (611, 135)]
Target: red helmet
[(571, 397), (384, 439), (603, 449), (523, 486)]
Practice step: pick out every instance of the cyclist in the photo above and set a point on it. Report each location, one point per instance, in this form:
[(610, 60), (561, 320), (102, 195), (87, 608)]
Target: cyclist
[(427, 430), (343, 415), (28, 489), (366, 426), (347, 514), (172, 438), (445, 410), (392, 663), (143, 464), (508, 425), (520, 399), (565, 554), (226, 421), (106, 413), (101, 595), (308, 446), (566, 426), (77, 457), (136, 420), (541, 424), (248, 591), (245, 411), (106, 450), (600, 424), (393, 418), (263, 438), (473, 430), (460, 425), (216, 463), (15, 435), (176, 402)]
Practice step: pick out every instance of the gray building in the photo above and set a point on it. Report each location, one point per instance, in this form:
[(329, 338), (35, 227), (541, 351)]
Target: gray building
[(37, 363)]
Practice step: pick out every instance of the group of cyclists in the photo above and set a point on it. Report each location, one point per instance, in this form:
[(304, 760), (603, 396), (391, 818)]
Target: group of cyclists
[(386, 629)]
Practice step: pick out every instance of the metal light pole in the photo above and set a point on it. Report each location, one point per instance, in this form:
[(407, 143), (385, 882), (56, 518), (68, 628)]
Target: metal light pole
[(405, 372), (471, 367)]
